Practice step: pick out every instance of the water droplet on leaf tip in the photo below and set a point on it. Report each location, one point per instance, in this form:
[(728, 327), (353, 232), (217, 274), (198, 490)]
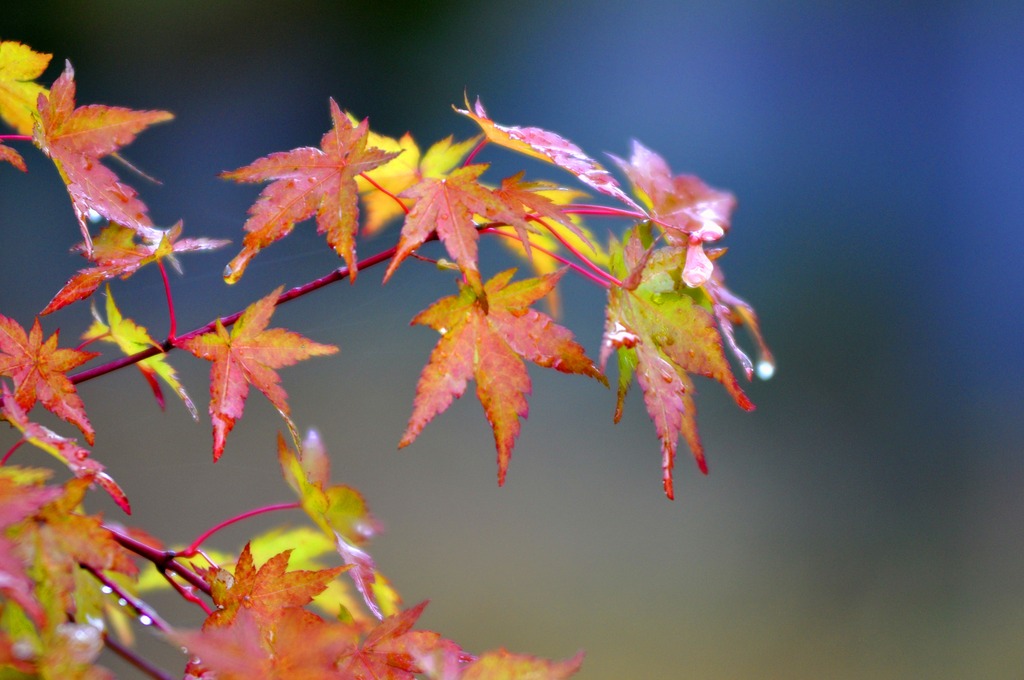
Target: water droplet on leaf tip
[(228, 272), (765, 369)]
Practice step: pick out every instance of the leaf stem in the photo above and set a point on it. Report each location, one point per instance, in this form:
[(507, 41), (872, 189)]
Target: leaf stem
[(603, 282), (474, 152), (10, 451), (384, 191), (134, 659), (16, 138), (143, 609), (575, 251), (172, 332), (602, 211), (193, 548)]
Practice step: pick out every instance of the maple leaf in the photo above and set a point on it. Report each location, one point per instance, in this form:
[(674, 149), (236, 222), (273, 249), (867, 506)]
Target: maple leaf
[(21, 496), (549, 147), (663, 332), (265, 591), (489, 344), (9, 155), (131, 339), (75, 139), (19, 67), (504, 665), (59, 540), (307, 182), (340, 511), (39, 370), (690, 212), (447, 205), (249, 354), (407, 168), (65, 450), (389, 650), (115, 253)]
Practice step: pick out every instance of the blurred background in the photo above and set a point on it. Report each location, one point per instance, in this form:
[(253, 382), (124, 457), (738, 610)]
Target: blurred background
[(865, 521)]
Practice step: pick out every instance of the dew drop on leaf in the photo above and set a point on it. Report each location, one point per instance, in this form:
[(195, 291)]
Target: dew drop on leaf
[(765, 369), (145, 620), (106, 590), (122, 602)]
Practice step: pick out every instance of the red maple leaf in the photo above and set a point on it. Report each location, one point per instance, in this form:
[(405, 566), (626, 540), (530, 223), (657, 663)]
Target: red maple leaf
[(77, 138), (307, 182), (249, 354), (66, 450), (39, 370), (447, 205), (115, 253), (488, 342)]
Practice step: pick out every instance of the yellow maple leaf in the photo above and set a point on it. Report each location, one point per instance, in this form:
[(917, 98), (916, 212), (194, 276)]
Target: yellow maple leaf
[(19, 67)]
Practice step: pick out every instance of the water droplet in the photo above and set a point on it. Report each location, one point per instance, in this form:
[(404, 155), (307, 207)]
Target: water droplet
[(121, 601), (145, 620), (106, 590), (94, 216), (442, 330), (228, 271), (765, 369), (657, 298)]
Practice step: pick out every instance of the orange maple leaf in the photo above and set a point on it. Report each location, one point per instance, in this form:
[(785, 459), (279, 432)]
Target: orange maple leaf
[(265, 591), (447, 205), (309, 181), (20, 65), (39, 371), (77, 138), (488, 343), (249, 354), (115, 253)]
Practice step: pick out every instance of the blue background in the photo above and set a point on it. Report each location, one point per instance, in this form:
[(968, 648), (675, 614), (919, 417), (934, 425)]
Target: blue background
[(863, 522)]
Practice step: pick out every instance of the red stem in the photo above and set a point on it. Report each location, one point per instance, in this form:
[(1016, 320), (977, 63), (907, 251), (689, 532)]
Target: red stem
[(163, 560), (475, 151), (602, 211), (384, 191), (192, 549), (603, 282), (16, 138), (170, 302), (10, 451), (166, 346), (187, 593), (575, 251)]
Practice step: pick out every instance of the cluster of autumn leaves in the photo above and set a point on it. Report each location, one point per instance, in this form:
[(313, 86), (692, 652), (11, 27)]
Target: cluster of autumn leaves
[(667, 315)]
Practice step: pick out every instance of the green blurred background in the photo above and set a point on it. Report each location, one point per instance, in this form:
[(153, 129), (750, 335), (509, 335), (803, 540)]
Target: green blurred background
[(865, 521)]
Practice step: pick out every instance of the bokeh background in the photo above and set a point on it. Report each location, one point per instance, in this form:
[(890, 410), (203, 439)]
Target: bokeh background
[(865, 521)]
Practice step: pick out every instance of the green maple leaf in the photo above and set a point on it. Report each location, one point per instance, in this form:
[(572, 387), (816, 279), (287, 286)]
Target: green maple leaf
[(132, 338), (308, 182), (249, 354), (486, 338), (663, 332)]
